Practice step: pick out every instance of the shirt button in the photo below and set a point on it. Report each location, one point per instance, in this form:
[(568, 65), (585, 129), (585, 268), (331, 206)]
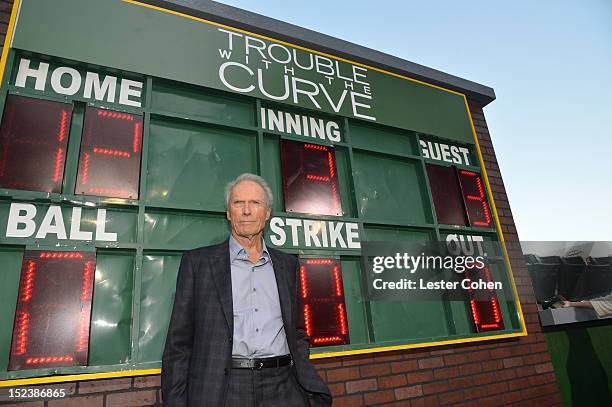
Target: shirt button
[(256, 310), (257, 330), (254, 289)]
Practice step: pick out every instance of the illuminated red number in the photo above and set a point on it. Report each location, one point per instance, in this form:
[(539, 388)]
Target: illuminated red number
[(310, 179), (33, 143), (109, 162), (323, 298), (53, 310), (474, 198), (484, 306)]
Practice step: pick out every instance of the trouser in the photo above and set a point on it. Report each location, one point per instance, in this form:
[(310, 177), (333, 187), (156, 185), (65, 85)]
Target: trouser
[(268, 387)]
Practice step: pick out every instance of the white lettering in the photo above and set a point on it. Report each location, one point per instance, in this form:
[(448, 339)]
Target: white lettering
[(92, 83), (130, 88), (16, 218), (53, 222), (75, 80), (101, 233), (25, 71)]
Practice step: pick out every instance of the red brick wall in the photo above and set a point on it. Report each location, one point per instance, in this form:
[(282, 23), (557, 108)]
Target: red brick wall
[(501, 372)]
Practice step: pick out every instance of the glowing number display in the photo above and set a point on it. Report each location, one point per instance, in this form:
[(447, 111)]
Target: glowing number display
[(474, 198), (53, 310), (323, 298), (310, 180), (484, 306), (459, 196), (33, 143), (109, 162)]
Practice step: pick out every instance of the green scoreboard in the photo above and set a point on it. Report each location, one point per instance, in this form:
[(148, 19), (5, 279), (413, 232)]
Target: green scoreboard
[(121, 124)]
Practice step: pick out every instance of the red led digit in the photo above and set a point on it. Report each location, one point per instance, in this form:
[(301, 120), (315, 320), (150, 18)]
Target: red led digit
[(484, 306), (33, 144), (474, 198), (111, 146), (323, 298), (310, 180), (53, 310)]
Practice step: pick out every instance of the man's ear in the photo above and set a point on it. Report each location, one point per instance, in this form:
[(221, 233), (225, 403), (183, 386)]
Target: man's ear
[(227, 215), (268, 213)]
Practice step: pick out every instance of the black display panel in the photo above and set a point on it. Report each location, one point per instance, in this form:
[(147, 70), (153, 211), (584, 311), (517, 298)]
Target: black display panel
[(310, 180), (53, 310), (459, 196), (33, 144), (483, 303), (323, 298), (109, 162), (446, 195), (474, 197)]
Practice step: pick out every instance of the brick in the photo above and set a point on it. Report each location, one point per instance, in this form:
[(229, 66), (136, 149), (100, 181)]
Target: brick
[(378, 397), (147, 381), (450, 398), (519, 383), (337, 389), (403, 403), (327, 364), (361, 385), (404, 366), (446, 373), (343, 374), (98, 386), (132, 398), (496, 388), (474, 392), (27, 404), (349, 401), (492, 401), (505, 374), (408, 392), (357, 360), (387, 382), (435, 387), (537, 358), (429, 401), (375, 370), (544, 367), (492, 365), (419, 377), (513, 362), (431, 363), (511, 397), (470, 368), (391, 356), (87, 401)]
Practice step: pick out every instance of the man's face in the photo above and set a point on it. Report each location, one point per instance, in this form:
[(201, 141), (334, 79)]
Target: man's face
[(248, 209)]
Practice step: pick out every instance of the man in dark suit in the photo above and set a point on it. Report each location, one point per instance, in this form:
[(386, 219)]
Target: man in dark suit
[(237, 335)]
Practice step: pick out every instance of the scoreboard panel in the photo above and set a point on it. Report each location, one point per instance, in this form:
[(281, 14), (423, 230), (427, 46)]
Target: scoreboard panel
[(100, 196)]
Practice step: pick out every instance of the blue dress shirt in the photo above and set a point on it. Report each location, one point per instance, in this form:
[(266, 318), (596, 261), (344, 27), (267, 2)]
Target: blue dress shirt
[(258, 323)]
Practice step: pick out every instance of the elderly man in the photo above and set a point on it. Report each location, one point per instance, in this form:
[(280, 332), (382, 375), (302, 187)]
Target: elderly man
[(237, 334)]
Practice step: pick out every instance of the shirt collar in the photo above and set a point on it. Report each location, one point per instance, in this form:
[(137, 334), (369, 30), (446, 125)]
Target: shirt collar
[(237, 251)]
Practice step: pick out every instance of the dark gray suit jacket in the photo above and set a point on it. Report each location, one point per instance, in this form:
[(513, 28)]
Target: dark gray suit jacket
[(197, 356)]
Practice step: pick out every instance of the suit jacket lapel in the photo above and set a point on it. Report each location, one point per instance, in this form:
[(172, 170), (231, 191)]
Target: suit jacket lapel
[(280, 273), (222, 275)]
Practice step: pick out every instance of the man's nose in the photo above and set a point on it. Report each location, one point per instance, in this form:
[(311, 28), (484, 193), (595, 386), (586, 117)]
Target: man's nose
[(246, 209)]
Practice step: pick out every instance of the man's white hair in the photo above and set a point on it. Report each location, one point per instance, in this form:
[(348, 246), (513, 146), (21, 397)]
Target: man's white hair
[(253, 178)]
